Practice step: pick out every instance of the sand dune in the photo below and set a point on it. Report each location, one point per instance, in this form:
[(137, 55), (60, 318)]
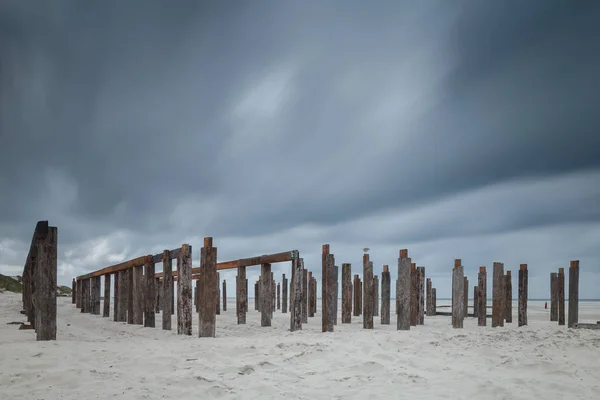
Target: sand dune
[(97, 358)]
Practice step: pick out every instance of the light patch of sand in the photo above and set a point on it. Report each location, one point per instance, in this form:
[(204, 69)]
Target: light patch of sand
[(97, 358)]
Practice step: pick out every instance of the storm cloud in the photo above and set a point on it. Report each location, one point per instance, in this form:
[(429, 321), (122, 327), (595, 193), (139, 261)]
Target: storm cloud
[(456, 129)]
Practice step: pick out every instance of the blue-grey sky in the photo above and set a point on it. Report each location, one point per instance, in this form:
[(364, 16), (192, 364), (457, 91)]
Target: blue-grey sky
[(456, 129)]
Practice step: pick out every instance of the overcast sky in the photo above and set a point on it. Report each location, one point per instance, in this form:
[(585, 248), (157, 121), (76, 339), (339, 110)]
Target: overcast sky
[(455, 129)]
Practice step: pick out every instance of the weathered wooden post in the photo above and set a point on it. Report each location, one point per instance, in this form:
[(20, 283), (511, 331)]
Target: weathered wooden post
[(309, 295), (498, 293), (421, 295), (434, 301), (208, 293), (246, 297), (466, 296), (475, 301), (167, 290), (414, 295), (278, 296), (224, 295), (184, 291), (241, 295), (284, 294), (160, 291), (330, 292), (376, 295), (123, 296), (116, 298), (256, 296), (315, 294), (93, 292), (296, 293), (385, 295), (265, 284), (85, 296), (79, 294), (482, 297), (138, 295), (337, 292), (130, 296), (73, 291), (458, 294), (45, 274), (360, 296), (272, 284), (523, 294), (150, 295), (106, 309), (508, 297), (403, 291), (218, 310), (356, 311), (553, 296), (324, 274), (428, 304), (97, 284), (304, 295), (561, 295), (368, 293), (346, 293), (573, 293)]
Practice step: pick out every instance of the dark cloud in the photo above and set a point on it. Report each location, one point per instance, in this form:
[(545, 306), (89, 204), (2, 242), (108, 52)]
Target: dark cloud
[(136, 126)]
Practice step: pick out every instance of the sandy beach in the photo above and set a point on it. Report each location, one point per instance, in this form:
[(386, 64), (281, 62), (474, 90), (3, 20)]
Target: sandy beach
[(97, 358)]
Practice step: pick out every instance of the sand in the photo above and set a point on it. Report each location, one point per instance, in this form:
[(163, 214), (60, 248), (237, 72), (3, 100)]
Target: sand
[(97, 358)]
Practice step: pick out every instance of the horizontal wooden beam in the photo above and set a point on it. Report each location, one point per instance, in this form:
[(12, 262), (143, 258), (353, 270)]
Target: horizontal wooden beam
[(136, 262), (244, 262)]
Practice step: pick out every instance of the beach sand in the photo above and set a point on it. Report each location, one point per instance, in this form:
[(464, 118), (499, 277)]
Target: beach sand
[(97, 358)]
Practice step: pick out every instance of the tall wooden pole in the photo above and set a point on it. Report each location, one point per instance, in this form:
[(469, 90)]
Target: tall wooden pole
[(403, 291), (561, 295), (296, 294), (385, 295), (573, 293), (184, 291), (346, 293), (284, 295), (498, 293), (266, 293), (458, 294), (553, 296), (106, 309), (523, 294), (368, 293), (482, 297), (208, 294), (149, 298), (167, 290), (508, 297)]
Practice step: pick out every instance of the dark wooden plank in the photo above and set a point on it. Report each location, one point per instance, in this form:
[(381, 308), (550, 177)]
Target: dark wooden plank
[(414, 295), (130, 306), (309, 295), (116, 298), (421, 294), (458, 295), (482, 297), (385, 295), (218, 308), (368, 297), (296, 294), (475, 301), (167, 293), (96, 285), (73, 291), (224, 294), (106, 310), (346, 293), (117, 267), (45, 285), (330, 293), (553, 296), (208, 295), (304, 295), (123, 296), (184, 291), (573, 293), (150, 295), (434, 300), (508, 297), (498, 295), (466, 296), (560, 283), (356, 290), (138, 295), (284, 295), (324, 253), (523, 294)]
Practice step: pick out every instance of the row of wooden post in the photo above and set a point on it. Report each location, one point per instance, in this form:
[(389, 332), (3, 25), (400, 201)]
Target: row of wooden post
[(557, 295)]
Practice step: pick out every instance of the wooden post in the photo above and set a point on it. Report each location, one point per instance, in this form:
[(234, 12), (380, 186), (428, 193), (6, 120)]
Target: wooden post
[(116, 298), (315, 294), (458, 294), (376, 295), (385, 295), (346, 293), (85, 294), (434, 300), (106, 310), (304, 295), (97, 281), (256, 296), (311, 305), (498, 296), (508, 297), (360, 296), (160, 294), (278, 296), (403, 292), (523, 294), (284, 294), (246, 297), (336, 273), (130, 306), (208, 299), (324, 274), (224, 295), (79, 293), (561, 296), (45, 274), (93, 299), (356, 309), (330, 293), (296, 293), (475, 301), (241, 296), (482, 297), (266, 302), (553, 296), (123, 296), (573, 293), (197, 295), (421, 295), (167, 290), (150, 295), (184, 291), (138, 295), (368, 293), (218, 293), (414, 295), (428, 303), (272, 285), (73, 291)]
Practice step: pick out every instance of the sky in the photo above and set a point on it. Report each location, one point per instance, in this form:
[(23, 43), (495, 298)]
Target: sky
[(463, 129)]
